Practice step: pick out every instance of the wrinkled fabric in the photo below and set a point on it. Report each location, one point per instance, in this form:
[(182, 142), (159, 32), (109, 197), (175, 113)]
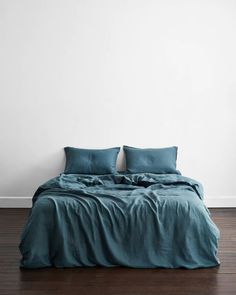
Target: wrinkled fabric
[(133, 220)]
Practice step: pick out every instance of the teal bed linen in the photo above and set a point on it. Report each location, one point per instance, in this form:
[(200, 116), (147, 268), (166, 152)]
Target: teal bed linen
[(134, 220)]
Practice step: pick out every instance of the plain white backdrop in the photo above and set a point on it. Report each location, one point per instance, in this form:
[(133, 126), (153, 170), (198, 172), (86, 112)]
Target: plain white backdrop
[(105, 73)]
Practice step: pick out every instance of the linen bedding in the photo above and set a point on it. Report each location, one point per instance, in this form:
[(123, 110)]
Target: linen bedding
[(136, 220)]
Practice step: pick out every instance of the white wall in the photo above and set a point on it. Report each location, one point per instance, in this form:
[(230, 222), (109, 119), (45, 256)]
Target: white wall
[(104, 73)]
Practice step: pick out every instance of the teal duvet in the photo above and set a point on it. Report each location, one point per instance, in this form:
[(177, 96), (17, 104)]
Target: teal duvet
[(134, 220)]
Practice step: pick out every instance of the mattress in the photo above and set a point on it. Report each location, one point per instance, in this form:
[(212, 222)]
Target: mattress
[(134, 220)]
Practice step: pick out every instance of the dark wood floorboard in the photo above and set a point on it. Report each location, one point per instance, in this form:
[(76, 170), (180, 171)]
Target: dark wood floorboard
[(115, 281)]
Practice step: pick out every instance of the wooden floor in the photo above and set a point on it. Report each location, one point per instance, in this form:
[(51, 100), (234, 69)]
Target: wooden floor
[(87, 281)]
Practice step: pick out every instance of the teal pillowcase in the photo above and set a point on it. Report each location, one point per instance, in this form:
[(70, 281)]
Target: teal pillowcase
[(91, 161), (162, 160)]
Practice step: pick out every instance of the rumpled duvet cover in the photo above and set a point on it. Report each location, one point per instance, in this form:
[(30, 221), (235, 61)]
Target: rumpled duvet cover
[(133, 220)]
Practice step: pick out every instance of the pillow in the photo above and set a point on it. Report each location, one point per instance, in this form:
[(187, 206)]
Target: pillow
[(162, 160), (91, 161)]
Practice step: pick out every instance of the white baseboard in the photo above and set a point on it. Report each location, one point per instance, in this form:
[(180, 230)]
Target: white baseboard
[(15, 202), (220, 202), (26, 202)]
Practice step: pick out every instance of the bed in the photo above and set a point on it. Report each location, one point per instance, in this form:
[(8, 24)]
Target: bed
[(138, 220)]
